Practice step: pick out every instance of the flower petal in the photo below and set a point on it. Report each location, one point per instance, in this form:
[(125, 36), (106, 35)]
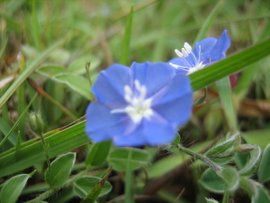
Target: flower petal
[(183, 64), (175, 105), (153, 76), (203, 49), (222, 45), (133, 137), (157, 133), (149, 132), (109, 86), (101, 124)]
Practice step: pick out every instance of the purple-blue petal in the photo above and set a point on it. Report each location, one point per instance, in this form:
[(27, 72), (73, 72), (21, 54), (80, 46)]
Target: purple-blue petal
[(148, 132), (157, 133), (175, 105), (101, 124), (222, 45), (109, 86), (152, 75), (203, 49), (183, 63)]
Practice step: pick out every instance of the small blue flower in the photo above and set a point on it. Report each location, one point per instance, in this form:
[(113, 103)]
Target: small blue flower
[(141, 105), (204, 53)]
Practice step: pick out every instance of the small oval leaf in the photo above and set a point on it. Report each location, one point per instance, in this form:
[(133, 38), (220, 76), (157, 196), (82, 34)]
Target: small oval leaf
[(210, 200), (226, 180), (222, 147), (59, 170), (231, 178), (263, 171), (253, 162), (261, 195), (123, 159), (98, 153), (212, 182), (12, 188), (84, 185)]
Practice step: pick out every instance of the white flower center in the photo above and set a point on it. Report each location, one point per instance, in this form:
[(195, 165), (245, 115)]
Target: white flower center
[(186, 51), (138, 106)]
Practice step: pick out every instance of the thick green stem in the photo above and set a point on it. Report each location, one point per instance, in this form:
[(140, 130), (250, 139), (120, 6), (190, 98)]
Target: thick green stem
[(129, 182), (128, 187), (226, 197)]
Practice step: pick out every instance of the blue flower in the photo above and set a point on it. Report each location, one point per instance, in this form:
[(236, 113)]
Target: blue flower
[(204, 53), (141, 105)]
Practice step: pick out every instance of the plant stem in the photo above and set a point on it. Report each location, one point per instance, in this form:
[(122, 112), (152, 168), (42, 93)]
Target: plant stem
[(128, 187), (129, 182), (201, 157), (42, 196), (226, 197)]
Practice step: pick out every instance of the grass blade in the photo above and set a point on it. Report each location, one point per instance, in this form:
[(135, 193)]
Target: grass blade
[(230, 65), (124, 58), (27, 72), (209, 20)]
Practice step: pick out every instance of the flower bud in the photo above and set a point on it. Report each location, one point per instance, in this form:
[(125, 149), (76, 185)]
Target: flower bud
[(36, 121)]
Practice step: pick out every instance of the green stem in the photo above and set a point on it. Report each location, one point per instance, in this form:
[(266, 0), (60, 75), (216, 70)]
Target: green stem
[(201, 157), (129, 182), (42, 196), (128, 187), (50, 192), (226, 197)]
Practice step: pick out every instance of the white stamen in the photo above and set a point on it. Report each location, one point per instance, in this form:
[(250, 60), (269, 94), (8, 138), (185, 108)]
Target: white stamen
[(195, 64), (138, 107), (197, 67), (188, 47), (185, 51), (178, 53)]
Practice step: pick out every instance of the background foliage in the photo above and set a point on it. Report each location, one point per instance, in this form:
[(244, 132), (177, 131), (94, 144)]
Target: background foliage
[(51, 52)]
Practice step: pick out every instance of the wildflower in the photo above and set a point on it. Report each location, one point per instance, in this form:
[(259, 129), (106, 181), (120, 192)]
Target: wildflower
[(141, 105), (204, 53)]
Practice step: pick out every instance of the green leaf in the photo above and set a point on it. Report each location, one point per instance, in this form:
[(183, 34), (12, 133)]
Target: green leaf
[(78, 65), (165, 165), (62, 75), (58, 142), (261, 195), (84, 185), (59, 170), (223, 146), (263, 171), (210, 200), (252, 162), (212, 182), (76, 82), (122, 159), (12, 188), (256, 191), (124, 58), (230, 177), (98, 153), (225, 94), (230, 65), (226, 180)]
